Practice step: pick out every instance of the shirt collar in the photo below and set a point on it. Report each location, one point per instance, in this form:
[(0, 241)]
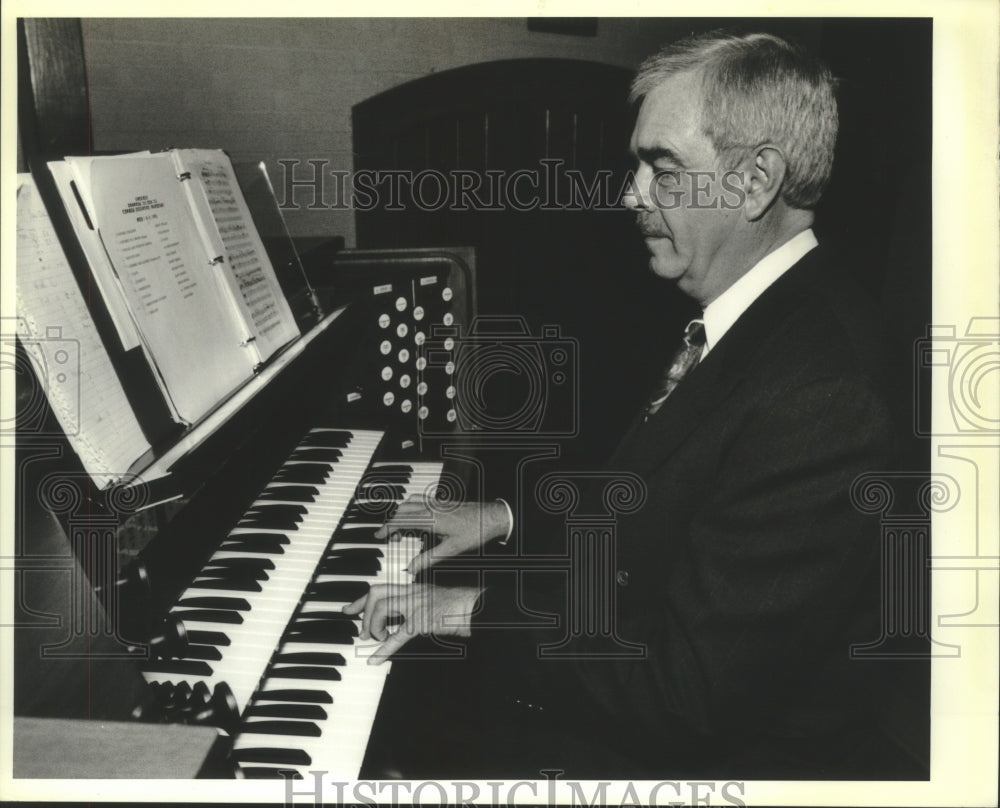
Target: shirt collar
[(726, 309)]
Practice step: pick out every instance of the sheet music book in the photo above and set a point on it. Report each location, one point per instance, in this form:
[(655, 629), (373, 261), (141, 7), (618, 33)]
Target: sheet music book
[(61, 340), (103, 273), (180, 250)]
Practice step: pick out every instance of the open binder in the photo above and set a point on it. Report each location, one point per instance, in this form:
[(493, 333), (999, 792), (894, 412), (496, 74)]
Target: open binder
[(184, 281), (173, 248)]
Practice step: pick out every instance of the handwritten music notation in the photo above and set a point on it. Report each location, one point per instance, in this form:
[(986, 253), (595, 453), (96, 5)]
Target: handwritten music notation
[(71, 363)]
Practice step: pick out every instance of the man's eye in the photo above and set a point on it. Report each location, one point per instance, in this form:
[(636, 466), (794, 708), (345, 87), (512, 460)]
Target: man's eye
[(668, 176)]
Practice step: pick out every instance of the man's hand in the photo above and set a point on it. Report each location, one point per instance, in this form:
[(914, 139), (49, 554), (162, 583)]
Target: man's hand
[(424, 609), (458, 529)]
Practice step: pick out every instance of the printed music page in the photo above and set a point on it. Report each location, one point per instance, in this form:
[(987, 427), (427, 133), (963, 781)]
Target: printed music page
[(101, 269), (60, 338), (80, 167), (182, 310), (217, 199)]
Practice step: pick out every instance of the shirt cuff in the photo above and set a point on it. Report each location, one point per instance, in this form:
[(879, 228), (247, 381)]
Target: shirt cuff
[(510, 521)]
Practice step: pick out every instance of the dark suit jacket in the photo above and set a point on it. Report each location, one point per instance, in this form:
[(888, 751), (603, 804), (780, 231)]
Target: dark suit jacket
[(748, 572)]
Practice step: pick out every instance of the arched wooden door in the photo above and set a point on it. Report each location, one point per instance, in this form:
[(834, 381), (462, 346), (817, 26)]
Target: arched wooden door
[(525, 160)]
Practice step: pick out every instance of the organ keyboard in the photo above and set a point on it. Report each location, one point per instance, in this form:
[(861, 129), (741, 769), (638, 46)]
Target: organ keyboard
[(261, 625)]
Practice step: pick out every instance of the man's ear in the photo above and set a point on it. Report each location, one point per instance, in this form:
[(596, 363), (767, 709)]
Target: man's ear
[(765, 175)]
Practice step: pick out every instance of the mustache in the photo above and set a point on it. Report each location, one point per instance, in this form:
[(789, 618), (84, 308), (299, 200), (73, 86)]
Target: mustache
[(649, 227)]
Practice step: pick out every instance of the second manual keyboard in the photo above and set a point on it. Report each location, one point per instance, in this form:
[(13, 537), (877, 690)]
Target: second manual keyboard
[(263, 618), (237, 607), (317, 702)]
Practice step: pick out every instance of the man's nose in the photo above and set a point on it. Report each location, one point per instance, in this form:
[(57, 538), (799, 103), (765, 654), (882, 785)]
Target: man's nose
[(637, 195)]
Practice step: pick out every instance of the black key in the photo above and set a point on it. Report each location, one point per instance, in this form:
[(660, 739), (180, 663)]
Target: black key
[(198, 637), (332, 438), (263, 549), (312, 711), (190, 667), (235, 573), (316, 454), (381, 476), (256, 543), (381, 490), (392, 467), (311, 658), (308, 460), (207, 602), (323, 633), (293, 510), (305, 672), (310, 473), (296, 695), (235, 585), (304, 728), (270, 521), (270, 754), (327, 638), (244, 563), (207, 652), (333, 617), (277, 538), (354, 552), (290, 493), (347, 591), (208, 616), (267, 521), (349, 566)]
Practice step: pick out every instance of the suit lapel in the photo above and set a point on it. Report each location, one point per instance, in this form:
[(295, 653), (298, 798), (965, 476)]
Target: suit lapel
[(648, 443)]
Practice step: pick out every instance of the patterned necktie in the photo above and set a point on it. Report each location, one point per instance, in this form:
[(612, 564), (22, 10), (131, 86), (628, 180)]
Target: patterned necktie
[(685, 358)]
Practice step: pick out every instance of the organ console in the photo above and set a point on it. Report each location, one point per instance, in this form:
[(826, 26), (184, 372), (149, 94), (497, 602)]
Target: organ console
[(229, 616), (204, 590)]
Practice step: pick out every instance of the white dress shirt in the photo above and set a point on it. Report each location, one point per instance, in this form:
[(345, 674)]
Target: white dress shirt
[(726, 309)]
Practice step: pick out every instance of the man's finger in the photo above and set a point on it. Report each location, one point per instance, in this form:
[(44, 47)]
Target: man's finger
[(368, 602), (403, 520), (421, 561), (391, 645), (356, 607), (377, 617), (416, 505)]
